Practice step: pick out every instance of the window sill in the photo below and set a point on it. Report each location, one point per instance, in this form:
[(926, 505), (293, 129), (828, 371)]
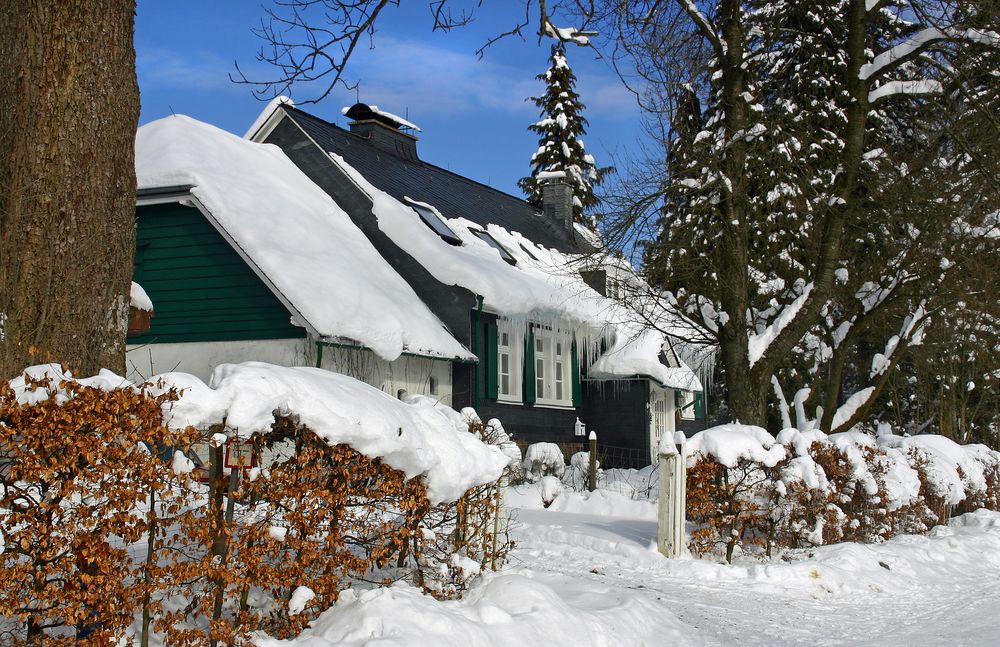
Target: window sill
[(550, 404), (502, 400)]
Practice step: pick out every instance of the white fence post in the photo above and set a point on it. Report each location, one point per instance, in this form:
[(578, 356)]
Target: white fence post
[(673, 495)]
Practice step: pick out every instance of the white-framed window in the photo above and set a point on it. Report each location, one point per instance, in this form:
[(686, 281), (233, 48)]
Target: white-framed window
[(509, 368), (553, 366)]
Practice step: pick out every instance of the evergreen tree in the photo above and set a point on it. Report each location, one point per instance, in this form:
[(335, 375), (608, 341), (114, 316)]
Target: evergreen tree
[(559, 146), (804, 224)]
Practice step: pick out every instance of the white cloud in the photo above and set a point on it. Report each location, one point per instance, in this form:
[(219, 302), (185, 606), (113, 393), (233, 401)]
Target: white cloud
[(401, 74)]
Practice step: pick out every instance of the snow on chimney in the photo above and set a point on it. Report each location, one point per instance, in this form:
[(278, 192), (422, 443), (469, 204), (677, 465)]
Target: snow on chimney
[(383, 130)]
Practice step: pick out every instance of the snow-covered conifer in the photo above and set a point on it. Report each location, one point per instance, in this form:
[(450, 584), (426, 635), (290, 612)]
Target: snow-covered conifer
[(560, 147)]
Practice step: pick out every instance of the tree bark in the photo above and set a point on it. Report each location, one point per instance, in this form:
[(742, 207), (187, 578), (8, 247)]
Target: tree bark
[(69, 107)]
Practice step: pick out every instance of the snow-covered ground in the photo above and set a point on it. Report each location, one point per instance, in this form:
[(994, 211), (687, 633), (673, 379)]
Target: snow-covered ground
[(580, 576)]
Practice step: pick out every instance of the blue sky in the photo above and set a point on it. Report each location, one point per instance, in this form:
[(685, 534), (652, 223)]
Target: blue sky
[(472, 112)]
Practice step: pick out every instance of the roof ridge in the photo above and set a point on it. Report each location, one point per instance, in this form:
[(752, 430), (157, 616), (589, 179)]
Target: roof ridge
[(464, 178)]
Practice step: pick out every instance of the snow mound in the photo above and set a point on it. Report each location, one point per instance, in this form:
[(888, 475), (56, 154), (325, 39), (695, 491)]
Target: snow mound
[(504, 610), (728, 444), (417, 440)]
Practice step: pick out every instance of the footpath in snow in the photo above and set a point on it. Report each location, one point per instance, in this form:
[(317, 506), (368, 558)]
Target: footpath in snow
[(585, 573)]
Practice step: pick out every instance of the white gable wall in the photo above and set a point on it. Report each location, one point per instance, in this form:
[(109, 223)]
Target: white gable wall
[(415, 375)]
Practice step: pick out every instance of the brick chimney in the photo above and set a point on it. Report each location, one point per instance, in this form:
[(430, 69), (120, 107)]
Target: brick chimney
[(383, 130), (557, 198)]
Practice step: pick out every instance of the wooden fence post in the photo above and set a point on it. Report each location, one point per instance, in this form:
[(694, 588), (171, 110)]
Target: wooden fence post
[(673, 495), (592, 471)]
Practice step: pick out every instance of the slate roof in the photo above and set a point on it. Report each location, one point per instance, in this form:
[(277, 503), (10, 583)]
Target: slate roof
[(453, 195)]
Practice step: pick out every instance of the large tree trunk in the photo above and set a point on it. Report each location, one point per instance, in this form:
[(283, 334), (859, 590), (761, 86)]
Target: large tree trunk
[(69, 107)]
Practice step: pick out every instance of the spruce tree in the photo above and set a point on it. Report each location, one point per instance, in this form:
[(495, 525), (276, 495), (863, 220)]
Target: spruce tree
[(560, 147)]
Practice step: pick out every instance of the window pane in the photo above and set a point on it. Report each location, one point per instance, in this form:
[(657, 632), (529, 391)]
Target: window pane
[(559, 391), (505, 363), (492, 242), (505, 385), (432, 220), (504, 339)]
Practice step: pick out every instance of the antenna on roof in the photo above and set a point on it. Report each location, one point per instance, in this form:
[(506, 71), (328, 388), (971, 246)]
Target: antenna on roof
[(357, 92)]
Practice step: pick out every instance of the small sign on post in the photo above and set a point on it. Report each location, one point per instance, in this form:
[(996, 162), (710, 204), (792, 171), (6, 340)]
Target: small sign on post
[(671, 517), (240, 455)]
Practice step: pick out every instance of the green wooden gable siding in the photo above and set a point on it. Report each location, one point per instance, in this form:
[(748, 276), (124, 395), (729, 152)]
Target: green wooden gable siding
[(200, 287)]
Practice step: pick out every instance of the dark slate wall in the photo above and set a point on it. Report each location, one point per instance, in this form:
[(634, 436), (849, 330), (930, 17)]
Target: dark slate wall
[(617, 412), (450, 303), (201, 289)]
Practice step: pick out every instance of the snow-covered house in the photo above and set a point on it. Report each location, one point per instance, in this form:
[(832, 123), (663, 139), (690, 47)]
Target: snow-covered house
[(246, 259), (503, 277)]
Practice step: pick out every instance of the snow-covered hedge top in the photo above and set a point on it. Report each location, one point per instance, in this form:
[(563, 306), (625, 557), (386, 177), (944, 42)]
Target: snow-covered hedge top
[(416, 439), (545, 284), (294, 232), (945, 459), (728, 444), (424, 438)]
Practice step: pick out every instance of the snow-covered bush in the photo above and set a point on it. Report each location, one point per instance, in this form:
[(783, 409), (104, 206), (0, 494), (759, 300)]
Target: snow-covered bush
[(88, 468), (543, 459), (731, 484), (550, 487), (749, 490), (76, 471), (576, 475)]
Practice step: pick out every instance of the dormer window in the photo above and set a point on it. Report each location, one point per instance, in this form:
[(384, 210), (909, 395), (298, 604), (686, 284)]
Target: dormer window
[(492, 242), (528, 252), (434, 221)]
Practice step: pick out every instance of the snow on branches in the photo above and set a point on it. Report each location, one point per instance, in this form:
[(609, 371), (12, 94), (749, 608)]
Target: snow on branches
[(560, 144)]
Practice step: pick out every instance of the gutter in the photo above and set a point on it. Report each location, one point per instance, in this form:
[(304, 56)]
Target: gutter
[(475, 350), (321, 344)]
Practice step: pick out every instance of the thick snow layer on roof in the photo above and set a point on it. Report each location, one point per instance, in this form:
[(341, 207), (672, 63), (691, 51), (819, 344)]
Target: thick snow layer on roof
[(415, 439), (266, 113), (639, 355), (544, 284), (296, 235)]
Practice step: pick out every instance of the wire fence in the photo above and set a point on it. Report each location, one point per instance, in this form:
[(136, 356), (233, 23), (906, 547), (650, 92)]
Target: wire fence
[(609, 456)]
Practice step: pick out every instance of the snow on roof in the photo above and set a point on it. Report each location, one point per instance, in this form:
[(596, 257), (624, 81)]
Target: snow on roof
[(387, 115), (266, 113), (639, 354), (139, 299), (544, 284), (303, 242)]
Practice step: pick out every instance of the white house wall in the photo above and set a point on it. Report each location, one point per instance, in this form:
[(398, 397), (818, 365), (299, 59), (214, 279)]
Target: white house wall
[(415, 375), (200, 358)]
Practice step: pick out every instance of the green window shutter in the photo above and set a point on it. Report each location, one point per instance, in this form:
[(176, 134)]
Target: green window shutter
[(529, 368), (492, 368), (575, 369), (699, 407)]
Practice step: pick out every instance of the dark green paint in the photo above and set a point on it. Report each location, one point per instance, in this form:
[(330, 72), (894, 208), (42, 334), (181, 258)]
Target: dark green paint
[(201, 289)]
